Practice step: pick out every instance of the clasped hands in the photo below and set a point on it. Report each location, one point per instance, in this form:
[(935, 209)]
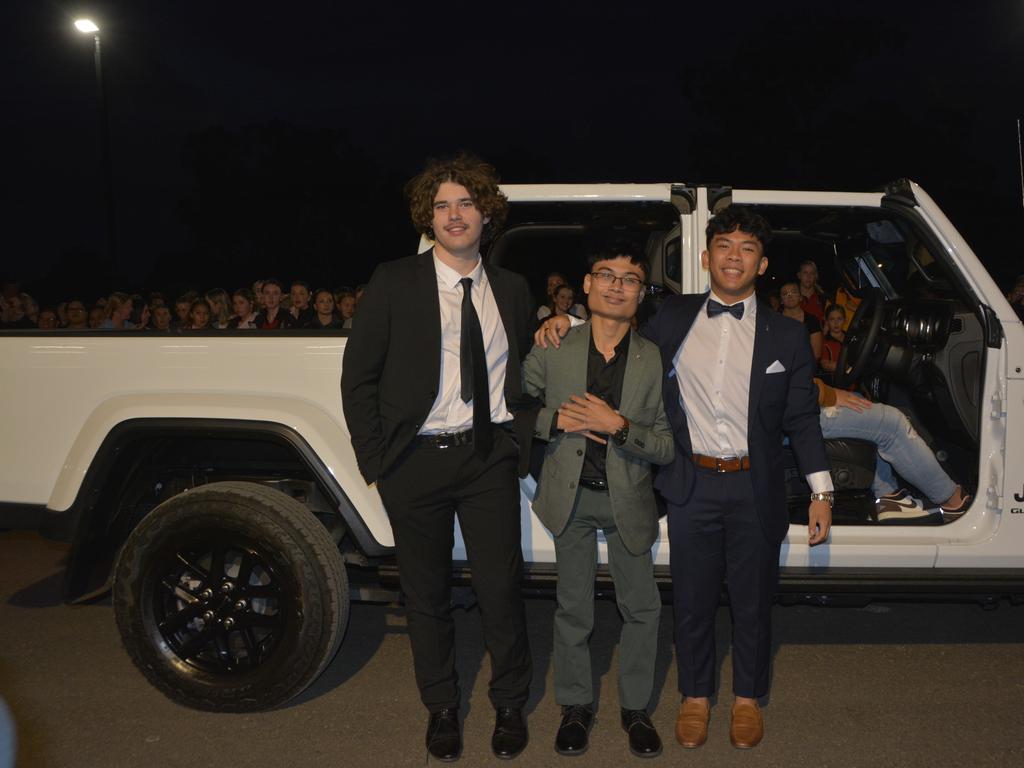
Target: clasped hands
[(589, 415)]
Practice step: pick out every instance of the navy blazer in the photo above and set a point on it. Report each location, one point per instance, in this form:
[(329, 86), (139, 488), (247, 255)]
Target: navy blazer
[(780, 403), (392, 362)]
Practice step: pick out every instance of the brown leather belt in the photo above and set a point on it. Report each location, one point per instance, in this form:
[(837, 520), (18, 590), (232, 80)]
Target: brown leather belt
[(729, 464)]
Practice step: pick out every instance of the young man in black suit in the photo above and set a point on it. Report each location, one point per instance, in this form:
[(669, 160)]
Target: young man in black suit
[(432, 394), (737, 377)]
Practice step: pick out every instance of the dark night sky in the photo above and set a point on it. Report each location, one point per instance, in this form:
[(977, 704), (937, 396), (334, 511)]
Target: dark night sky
[(787, 94)]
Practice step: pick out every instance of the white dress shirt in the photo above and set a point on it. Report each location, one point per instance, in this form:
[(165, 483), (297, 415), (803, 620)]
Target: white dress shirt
[(449, 413), (712, 368)]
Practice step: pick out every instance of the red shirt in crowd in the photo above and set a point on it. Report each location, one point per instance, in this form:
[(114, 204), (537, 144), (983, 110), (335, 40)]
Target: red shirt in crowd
[(813, 305)]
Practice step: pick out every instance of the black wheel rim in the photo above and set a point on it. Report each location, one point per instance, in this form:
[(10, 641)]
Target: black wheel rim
[(221, 607)]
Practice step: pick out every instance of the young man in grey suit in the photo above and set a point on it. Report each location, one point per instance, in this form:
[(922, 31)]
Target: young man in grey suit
[(605, 425)]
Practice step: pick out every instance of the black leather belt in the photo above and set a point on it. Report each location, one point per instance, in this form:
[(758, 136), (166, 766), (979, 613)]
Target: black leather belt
[(594, 485), (445, 439), (457, 439)]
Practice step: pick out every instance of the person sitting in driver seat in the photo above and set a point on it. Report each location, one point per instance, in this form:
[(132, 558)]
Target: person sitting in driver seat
[(847, 414)]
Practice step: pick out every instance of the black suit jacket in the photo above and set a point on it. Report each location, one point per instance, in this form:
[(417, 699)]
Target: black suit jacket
[(785, 402), (392, 364)]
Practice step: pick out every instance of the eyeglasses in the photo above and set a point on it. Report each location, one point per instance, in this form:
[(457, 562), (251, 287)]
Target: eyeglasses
[(607, 279)]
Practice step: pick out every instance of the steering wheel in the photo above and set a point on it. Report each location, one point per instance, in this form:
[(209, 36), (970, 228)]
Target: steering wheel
[(861, 344)]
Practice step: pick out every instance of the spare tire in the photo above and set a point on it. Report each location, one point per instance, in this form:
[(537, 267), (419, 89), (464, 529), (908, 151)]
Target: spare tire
[(231, 597)]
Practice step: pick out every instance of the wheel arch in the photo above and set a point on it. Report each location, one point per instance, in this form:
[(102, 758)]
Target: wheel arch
[(97, 523)]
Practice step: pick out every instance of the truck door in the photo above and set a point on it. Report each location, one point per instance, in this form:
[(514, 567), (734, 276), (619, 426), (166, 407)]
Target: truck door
[(812, 225)]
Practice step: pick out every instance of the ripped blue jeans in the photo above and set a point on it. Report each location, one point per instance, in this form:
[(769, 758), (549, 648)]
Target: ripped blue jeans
[(899, 448)]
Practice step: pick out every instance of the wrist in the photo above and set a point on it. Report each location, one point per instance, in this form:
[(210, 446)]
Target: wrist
[(620, 434)]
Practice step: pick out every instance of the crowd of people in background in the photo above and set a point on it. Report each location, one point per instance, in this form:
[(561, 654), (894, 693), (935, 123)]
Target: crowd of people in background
[(268, 305), (273, 305)]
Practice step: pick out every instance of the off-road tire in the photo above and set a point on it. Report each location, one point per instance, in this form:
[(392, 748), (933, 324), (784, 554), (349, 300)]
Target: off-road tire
[(278, 541)]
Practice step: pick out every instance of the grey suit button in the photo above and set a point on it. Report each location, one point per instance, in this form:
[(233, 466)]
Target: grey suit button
[(579, 452), (572, 483)]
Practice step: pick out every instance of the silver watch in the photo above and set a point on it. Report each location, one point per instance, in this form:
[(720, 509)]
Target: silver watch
[(828, 496)]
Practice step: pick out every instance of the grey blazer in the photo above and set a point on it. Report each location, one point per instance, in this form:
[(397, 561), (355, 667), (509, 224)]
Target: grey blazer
[(552, 375)]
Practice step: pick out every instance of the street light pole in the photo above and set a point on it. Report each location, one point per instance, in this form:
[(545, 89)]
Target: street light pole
[(87, 26)]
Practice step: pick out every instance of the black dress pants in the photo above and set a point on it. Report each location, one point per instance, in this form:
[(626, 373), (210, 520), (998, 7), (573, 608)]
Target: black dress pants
[(422, 495), (717, 535)]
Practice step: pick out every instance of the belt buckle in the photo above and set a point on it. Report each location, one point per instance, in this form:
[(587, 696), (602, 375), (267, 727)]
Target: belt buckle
[(443, 441), (719, 460)]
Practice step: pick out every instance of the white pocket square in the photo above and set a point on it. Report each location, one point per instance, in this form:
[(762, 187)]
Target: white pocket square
[(775, 367)]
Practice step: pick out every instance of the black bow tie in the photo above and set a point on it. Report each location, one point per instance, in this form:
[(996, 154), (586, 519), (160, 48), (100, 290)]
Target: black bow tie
[(715, 309)]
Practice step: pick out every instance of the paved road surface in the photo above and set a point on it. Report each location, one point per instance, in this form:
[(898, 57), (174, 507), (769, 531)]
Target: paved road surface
[(887, 685)]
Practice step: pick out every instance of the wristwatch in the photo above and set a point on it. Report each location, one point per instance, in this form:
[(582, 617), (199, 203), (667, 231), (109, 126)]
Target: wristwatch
[(619, 437), (828, 496)]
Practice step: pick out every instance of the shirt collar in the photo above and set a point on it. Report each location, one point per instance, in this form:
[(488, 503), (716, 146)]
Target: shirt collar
[(621, 349), (449, 278)]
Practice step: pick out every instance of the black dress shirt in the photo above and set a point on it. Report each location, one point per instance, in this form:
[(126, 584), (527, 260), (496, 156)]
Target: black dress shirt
[(604, 379)]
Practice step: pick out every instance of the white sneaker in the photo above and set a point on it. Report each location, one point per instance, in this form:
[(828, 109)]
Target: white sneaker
[(900, 507)]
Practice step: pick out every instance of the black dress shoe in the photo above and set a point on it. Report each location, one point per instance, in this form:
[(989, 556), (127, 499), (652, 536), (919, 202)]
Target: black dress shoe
[(510, 736), (573, 735), (444, 741), (643, 738)]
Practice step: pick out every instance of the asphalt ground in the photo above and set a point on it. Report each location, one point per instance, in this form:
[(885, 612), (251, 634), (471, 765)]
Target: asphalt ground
[(885, 685)]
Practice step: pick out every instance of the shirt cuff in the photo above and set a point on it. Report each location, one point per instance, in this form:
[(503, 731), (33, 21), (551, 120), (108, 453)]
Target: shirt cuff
[(574, 321), (820, 482)]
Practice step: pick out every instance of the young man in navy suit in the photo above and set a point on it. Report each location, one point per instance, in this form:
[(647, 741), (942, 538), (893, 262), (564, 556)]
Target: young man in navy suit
[(738, 377)]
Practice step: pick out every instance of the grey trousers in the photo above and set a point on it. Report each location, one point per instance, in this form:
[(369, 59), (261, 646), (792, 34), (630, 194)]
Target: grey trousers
[(635, 592)]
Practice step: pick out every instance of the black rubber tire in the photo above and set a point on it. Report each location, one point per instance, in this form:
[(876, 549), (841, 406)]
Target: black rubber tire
[(291, 549)]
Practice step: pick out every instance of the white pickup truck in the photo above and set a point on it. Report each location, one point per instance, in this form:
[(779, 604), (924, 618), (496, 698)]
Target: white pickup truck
[(209, 481)]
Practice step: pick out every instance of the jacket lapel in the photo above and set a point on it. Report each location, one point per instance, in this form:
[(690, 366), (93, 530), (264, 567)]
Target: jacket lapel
[(683, 322), (760, 360), (426, 289), (505, 300), (575, 359), (633, 375)]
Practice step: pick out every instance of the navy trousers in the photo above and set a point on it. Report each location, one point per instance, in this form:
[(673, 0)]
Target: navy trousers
[(717, 537)]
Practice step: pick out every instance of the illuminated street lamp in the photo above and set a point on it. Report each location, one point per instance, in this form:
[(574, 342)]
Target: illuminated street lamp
[(89, 27)]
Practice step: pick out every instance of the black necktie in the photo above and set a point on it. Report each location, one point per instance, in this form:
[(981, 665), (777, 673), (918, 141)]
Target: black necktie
[(715, 309), (473, 370)]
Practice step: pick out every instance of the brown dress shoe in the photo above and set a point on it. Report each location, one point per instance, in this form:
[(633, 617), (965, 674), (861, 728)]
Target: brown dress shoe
[(692, 723), (747, 727)]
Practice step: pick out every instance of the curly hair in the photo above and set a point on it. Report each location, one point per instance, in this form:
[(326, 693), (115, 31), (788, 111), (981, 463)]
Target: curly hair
[(480, 178)]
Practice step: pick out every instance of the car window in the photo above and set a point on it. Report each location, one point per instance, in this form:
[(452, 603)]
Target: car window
[(543, 238)]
